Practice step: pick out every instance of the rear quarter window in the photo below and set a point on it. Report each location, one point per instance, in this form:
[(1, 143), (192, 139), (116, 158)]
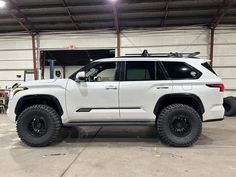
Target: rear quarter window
[(207, 66), (181, 70)]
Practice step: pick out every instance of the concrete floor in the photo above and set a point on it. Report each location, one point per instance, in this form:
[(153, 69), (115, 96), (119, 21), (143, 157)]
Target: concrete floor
[(120, 152)]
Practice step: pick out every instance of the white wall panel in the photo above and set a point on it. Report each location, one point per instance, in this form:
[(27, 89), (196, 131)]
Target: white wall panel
[(230, 83), (226, 73), (11, 65), (225, 36), (223, 61), (8, 78), (11, 75), (16, 55), (91, 39), (165, 41), (171, 38), (169, 49), (15, 42), (225, 50)]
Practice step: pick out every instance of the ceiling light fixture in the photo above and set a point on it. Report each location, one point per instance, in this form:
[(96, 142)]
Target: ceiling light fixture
[(113, 1), (2, 4)]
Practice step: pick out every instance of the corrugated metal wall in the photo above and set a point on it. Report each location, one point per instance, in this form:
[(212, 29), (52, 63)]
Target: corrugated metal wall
[(225, 58), (16, 54), (15, 57)]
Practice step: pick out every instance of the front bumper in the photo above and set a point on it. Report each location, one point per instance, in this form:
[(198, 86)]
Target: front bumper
[(11, 111)]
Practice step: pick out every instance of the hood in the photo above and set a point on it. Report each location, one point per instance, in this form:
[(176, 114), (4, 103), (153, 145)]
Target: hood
[(45, 83)]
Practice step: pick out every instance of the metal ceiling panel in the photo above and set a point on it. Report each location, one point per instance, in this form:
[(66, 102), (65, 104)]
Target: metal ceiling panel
[(98, 14)]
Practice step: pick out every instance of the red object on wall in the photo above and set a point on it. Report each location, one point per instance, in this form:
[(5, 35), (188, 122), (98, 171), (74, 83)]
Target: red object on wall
[(72, 46)]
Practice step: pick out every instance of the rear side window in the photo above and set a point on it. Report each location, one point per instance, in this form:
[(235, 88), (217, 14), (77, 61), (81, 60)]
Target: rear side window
[(139, 71), (181, 70), (207, 66)]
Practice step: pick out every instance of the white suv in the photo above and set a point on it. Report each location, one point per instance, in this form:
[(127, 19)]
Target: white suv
[(174, 93)]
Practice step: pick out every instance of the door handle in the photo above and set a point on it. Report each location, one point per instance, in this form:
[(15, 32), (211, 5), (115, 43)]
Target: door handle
[(111, 87), (162, 87)]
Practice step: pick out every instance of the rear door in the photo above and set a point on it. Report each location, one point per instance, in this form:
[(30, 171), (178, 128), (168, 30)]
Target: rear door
[(143, 84)]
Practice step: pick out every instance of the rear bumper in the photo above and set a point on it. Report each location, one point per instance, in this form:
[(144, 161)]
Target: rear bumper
[(215, 113)]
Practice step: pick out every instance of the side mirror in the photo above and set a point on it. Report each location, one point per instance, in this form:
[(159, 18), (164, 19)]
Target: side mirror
[(80, 76)]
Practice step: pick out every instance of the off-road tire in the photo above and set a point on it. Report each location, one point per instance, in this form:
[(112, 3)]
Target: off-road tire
[(51, 120), (230, 106), (172, 113)]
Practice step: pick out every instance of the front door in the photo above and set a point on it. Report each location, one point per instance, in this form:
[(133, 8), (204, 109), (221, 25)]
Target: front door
[(96, 99)]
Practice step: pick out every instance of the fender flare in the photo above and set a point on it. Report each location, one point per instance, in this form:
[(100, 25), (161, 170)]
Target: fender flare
[(179, 95), (39, 96)]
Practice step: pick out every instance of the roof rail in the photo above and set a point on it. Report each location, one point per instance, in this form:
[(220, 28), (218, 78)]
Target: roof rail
[(171, 54)]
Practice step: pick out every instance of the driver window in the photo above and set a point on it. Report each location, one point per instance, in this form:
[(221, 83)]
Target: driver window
[(102, 72)]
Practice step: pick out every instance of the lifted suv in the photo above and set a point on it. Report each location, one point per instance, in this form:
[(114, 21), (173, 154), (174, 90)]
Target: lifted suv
[(175, 93)]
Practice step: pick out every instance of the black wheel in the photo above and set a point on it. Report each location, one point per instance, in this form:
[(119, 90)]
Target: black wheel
[(38, 125), (230, 106), (179, 125)]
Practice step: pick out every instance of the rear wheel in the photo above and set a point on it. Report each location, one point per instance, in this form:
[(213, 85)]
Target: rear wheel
[(179, 125), (38, 125)]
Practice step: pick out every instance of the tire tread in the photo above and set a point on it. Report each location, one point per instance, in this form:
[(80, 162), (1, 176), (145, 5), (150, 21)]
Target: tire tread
[(54, 116), (161, 131)]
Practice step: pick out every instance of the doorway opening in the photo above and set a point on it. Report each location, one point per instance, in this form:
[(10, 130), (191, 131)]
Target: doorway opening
[(68, 61)]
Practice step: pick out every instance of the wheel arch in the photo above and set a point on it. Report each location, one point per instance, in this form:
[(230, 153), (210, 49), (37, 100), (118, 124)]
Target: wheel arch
[(29, 100), (184, 98)]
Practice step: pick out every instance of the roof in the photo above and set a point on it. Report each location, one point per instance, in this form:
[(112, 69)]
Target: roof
[(58, 15), (151, 59)]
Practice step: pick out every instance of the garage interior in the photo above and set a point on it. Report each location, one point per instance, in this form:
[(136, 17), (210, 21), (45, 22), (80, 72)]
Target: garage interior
[(76, 32)]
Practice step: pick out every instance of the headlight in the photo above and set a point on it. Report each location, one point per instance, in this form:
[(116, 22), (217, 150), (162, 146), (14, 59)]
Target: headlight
[(16, 90)]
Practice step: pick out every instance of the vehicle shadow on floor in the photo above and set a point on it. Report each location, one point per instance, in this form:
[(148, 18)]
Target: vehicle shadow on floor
[(114, 134)]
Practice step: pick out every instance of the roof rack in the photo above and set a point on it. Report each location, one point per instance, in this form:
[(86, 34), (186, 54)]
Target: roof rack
[(171, 54)]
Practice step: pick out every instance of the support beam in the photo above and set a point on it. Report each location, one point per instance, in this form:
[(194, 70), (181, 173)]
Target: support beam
[(163, 20), (222, 10), (52, 68), (43, 64), (118, 44), (117, 26), (212, 46), (69, 13), (64, 71), (24, 22), (34, 56), (22, 19)]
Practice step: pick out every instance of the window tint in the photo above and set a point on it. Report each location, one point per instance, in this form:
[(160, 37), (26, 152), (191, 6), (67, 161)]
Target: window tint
[(181, 70), (101, 72), (207, 66), (140, 70), (159, 72)]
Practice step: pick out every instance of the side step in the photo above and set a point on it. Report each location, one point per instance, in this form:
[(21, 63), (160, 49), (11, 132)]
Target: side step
[(111, 123)]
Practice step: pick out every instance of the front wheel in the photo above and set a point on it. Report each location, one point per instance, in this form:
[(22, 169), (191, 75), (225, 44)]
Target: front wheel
[(179, 125), (38, 125)]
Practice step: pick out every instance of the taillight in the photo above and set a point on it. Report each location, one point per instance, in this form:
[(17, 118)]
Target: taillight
[(220, 86)]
